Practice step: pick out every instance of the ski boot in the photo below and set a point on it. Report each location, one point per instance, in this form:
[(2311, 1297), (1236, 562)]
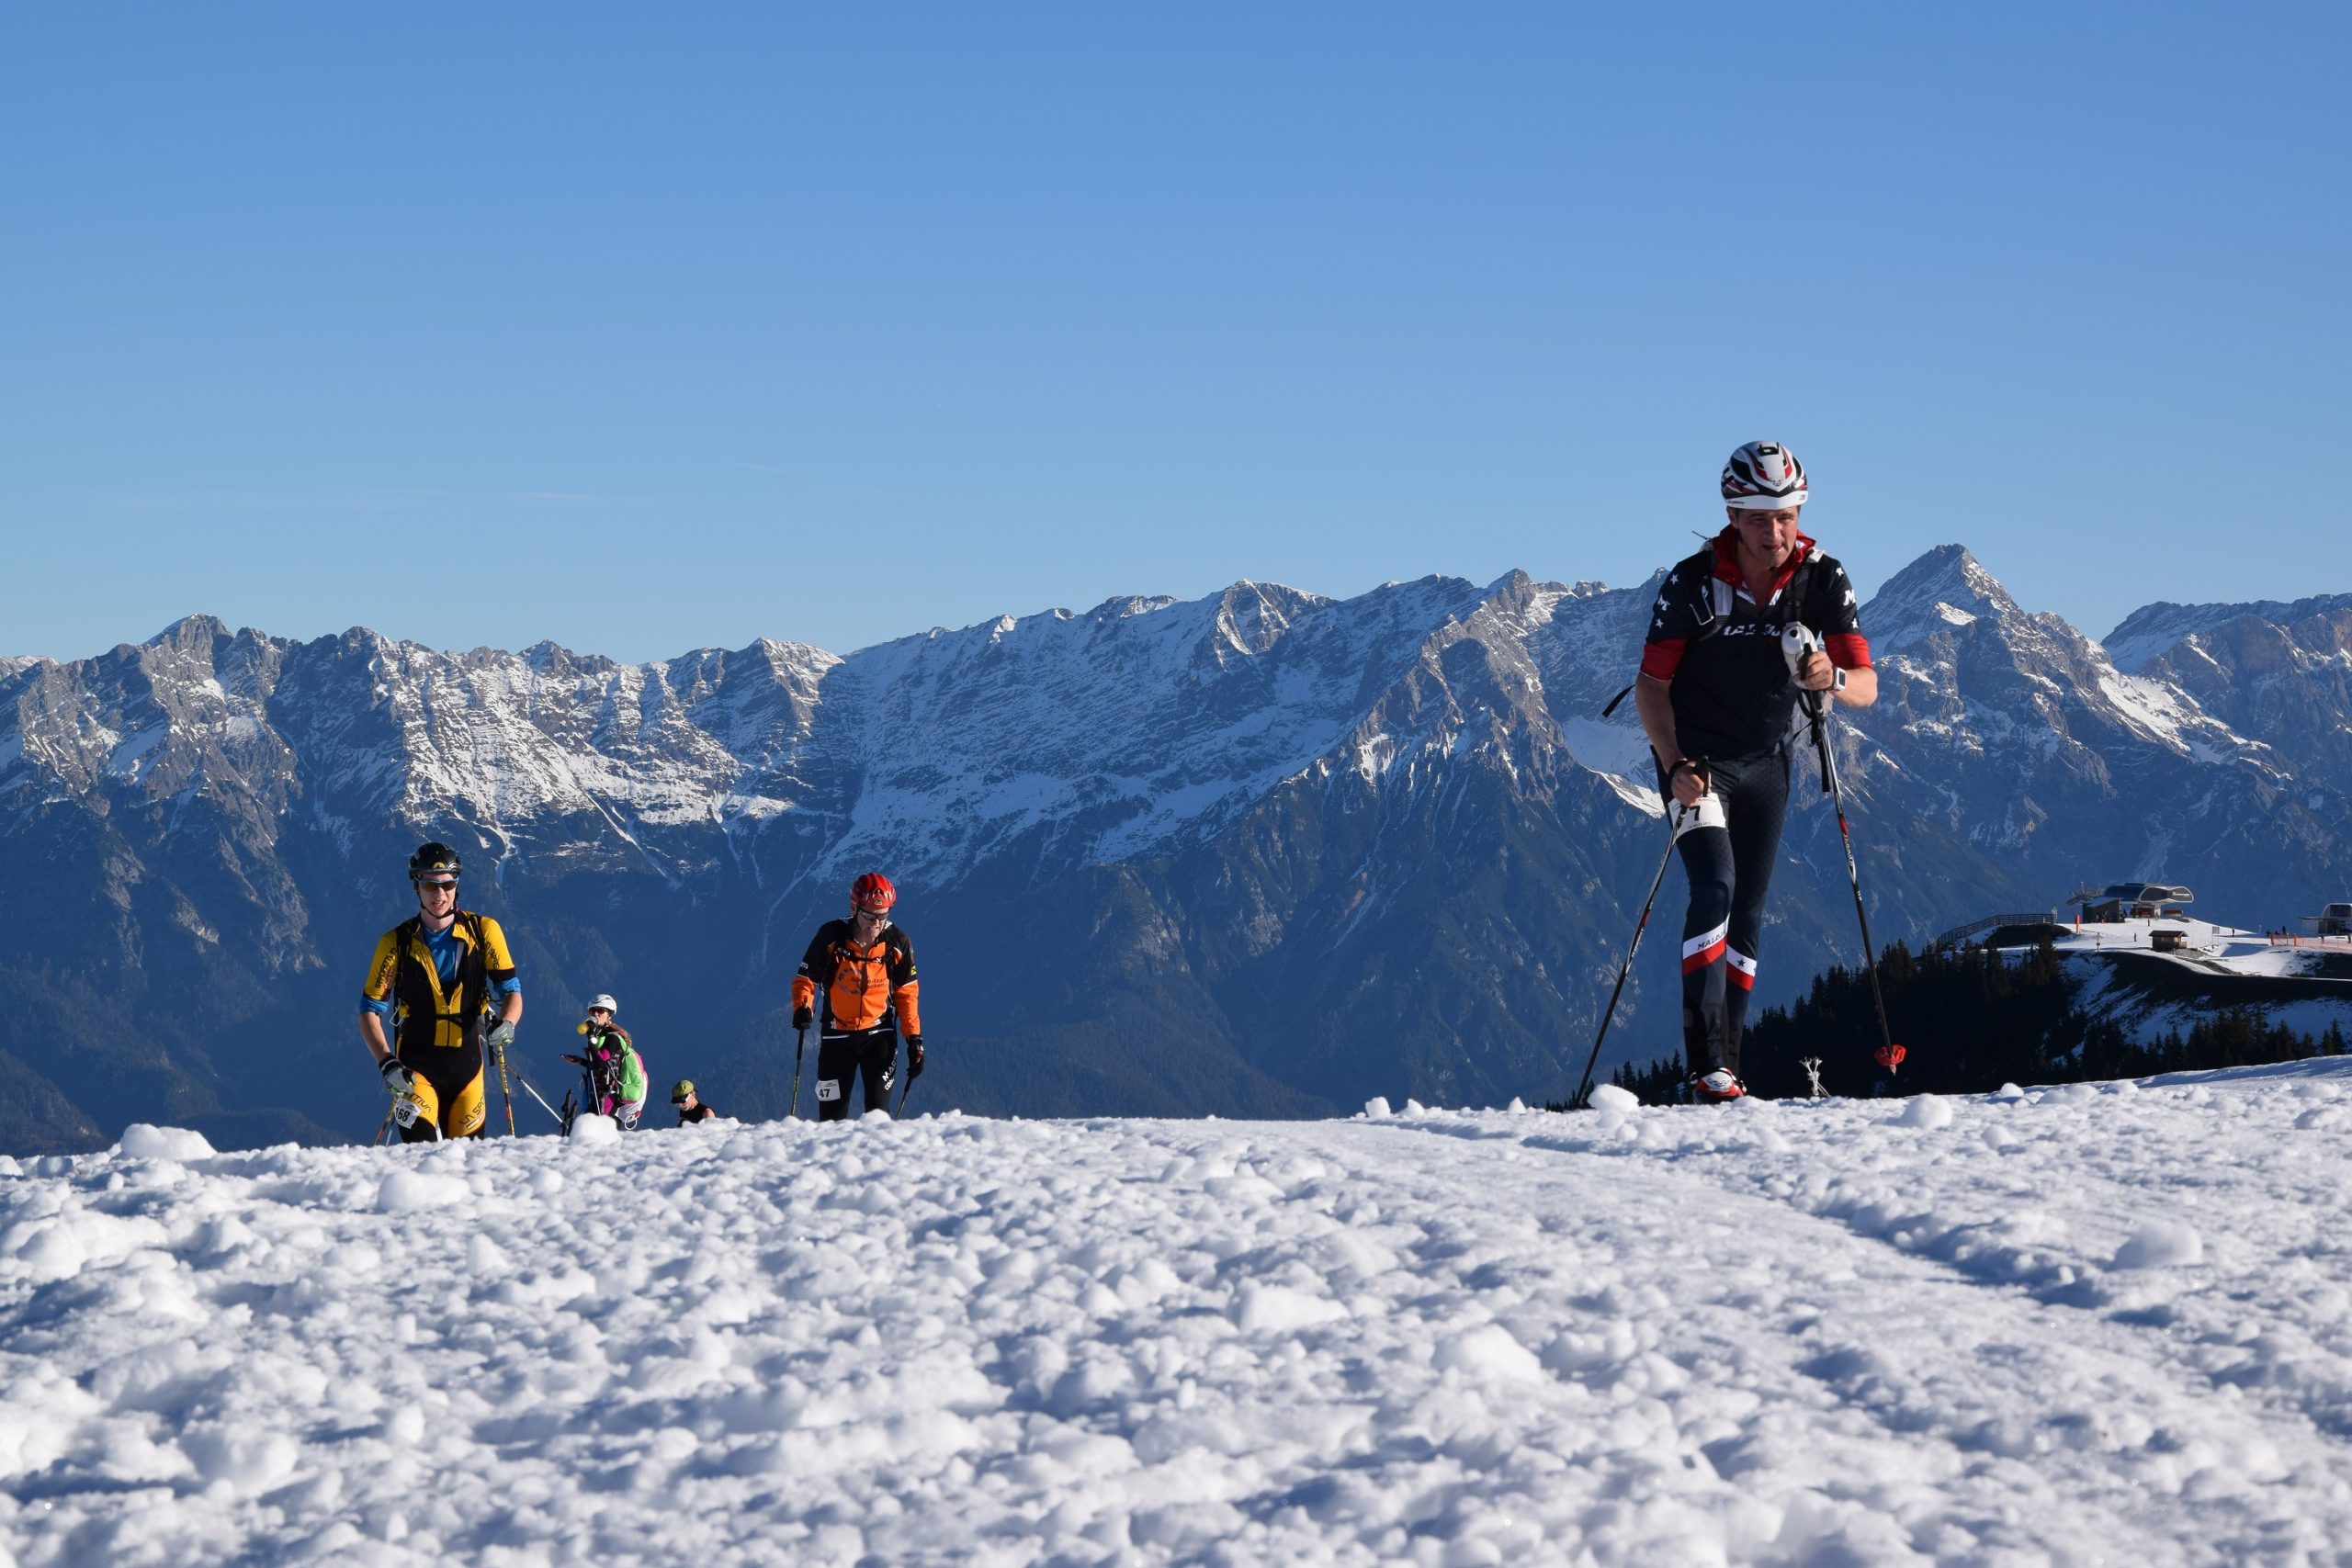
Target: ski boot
[(1718, 1087)]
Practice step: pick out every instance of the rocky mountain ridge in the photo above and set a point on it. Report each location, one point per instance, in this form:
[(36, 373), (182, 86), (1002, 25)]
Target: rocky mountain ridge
[(1263, 852)]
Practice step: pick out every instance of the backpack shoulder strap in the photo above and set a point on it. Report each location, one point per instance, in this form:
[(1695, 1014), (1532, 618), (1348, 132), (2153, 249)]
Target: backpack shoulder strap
[(1812, 582), (1712, 599), (402, 934), (473, 972), (1718, 603)]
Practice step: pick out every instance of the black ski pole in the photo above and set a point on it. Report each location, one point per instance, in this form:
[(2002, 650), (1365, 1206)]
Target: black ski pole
[(505, 1089), (797, 1052), (1797, 642), (590, 1106), (1674, 827)]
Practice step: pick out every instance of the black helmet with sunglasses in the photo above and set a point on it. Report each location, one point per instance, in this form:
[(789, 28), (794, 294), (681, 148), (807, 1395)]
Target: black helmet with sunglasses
[(432, 860)]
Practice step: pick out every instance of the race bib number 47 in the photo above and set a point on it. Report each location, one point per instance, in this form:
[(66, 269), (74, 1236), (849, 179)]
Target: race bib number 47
[(828, 1088)]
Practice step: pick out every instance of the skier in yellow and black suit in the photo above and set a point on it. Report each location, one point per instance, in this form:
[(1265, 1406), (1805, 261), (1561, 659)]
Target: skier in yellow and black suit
[(865, 968), (436, 978)]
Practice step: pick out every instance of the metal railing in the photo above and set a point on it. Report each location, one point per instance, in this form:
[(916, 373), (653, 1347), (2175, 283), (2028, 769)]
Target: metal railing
[(2032, 918)]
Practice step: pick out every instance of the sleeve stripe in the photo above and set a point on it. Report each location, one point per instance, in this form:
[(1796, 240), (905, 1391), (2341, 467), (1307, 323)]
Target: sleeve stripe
[(1661, 658), (1849, 650)]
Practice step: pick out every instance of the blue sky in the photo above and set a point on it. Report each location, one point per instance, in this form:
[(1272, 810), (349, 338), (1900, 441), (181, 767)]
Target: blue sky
[(652, 328)]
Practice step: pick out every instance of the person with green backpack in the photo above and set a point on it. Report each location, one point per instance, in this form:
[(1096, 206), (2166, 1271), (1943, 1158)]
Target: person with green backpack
[(616, 1072)]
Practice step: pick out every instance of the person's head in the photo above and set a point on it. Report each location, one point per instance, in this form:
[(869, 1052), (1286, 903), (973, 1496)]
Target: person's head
[(602, 1009), (1763, 486), (682, 1094), (870, 898), (434, 871)]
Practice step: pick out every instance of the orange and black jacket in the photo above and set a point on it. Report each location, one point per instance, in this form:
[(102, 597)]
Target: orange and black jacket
[(862, 987), (404, 981)]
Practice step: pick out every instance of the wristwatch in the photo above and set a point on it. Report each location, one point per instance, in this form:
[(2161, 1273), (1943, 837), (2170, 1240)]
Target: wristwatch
[(1837, 679)]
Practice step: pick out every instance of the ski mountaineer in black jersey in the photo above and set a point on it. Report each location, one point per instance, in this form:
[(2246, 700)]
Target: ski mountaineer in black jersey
[(1719, 702)]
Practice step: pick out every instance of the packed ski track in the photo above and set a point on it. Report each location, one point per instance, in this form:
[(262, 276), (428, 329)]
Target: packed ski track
[(2092, 1324)]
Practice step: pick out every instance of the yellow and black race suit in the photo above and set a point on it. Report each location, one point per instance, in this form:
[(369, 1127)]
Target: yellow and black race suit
[(434, 1022)]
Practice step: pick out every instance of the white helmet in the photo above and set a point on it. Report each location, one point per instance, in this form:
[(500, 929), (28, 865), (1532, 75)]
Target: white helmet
[(603, 999), (1763, 476)]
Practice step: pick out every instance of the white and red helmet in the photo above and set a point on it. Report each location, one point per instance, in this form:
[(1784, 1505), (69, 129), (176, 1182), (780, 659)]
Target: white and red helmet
[(872, 892), (1763, 476)]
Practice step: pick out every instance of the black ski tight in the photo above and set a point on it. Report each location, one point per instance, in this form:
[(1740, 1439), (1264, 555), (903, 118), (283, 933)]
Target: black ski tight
[(842, 1057), (1727, 851)]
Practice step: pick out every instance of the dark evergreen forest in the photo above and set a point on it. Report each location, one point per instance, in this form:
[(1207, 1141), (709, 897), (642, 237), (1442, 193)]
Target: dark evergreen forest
[(1972, 1018)]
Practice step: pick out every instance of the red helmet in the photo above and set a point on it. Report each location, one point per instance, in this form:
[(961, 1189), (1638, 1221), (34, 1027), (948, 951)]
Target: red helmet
[(873, 891)]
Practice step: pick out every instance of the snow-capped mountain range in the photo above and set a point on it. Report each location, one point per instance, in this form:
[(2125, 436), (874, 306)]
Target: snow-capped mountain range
[(1263, 853)]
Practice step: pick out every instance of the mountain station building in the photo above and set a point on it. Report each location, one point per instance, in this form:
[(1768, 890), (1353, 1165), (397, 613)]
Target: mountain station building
[(2131, 902)]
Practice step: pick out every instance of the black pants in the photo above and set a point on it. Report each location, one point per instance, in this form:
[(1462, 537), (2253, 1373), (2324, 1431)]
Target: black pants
[(1728, 859), (842, 1057)]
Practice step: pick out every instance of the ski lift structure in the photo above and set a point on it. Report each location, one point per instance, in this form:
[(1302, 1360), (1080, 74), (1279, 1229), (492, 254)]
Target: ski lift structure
[(2131, 901)]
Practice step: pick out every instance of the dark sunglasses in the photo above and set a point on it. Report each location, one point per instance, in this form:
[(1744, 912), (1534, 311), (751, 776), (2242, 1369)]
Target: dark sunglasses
[(429, 882)]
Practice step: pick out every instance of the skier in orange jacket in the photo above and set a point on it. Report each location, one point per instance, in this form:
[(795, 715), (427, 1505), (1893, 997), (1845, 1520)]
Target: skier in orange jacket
[(863, 970)]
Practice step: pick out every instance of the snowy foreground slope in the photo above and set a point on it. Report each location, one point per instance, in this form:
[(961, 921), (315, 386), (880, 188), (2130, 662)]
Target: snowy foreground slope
[(2094, 1325)]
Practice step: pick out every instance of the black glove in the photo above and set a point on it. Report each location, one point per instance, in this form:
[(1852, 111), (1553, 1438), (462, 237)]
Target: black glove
[(914, 1058), (803, 1016)]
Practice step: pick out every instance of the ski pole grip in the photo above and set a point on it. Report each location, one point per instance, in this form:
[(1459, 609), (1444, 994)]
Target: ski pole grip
[(1796, 642)]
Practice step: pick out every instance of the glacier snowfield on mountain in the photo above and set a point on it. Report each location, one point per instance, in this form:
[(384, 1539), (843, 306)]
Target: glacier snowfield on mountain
[(2096, 1324)]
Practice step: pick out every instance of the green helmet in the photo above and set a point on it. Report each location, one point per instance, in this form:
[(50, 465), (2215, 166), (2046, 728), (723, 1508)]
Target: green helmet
[(679, 1090)]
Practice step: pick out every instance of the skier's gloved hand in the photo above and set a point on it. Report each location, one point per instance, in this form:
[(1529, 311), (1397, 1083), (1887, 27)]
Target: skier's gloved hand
[(504, 1036), (397, 1078), (803, 1016), (914, 1058)]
